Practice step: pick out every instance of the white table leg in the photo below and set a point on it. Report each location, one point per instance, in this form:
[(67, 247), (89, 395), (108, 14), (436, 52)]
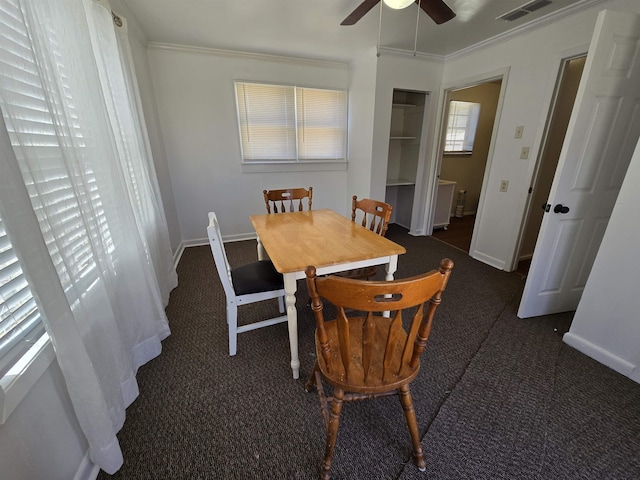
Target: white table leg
[(261, 252), (290, 286), (390, 268)]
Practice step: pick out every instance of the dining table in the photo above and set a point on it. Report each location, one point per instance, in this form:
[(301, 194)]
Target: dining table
[(321, 238)]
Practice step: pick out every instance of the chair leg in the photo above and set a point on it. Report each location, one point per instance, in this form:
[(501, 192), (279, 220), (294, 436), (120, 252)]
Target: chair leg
[(412, 423), (232, 325), (332, 433), (308, 387), (281, 304)]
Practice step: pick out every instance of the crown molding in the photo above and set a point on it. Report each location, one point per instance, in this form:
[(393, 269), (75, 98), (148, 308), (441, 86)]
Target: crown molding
[(540, 22), (246, 55)]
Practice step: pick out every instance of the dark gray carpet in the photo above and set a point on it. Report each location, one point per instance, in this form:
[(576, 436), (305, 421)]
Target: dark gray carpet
[(496, 398)]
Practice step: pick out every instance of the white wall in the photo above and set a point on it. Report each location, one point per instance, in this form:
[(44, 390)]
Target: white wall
[(196, 103), (606, 325), (42, 440), (362, 102)]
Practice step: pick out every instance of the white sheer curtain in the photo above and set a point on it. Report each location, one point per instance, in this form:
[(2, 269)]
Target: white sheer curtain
[(117, 75), (79, 199)]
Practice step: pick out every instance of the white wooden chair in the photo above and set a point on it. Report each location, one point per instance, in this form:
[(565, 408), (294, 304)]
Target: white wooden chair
[(249, 283)]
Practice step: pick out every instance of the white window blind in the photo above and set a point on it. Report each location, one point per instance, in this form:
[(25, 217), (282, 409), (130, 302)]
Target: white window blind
[(461, 126), (20, 322), (283, 123)]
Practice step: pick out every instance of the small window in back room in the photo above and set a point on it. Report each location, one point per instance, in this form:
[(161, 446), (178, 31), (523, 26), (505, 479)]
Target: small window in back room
[(461, 127)]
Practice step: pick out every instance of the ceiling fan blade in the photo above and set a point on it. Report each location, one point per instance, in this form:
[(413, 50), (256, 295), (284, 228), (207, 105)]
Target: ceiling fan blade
[(437, 10), (359, 12)]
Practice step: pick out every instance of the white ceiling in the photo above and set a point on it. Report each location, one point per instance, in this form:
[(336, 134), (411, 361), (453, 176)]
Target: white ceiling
[(311, 28)]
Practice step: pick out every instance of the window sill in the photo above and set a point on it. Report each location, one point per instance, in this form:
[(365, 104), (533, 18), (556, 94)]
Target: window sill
[(293, 167), (461, 152), (15, 385)]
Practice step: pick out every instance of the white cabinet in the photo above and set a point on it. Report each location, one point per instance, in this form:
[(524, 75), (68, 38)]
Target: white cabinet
[(444, 202), (407, 114)]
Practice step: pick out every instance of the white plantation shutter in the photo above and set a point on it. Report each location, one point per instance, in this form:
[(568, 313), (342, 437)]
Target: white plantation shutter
[(20, 322), (59, 195), (283, 123)]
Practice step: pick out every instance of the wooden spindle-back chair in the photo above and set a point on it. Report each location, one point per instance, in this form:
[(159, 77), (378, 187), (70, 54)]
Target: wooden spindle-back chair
[(287, 200), (375, 216), (368, 354)]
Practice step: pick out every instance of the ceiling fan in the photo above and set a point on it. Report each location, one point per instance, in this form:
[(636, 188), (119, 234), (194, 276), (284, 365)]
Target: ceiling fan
[(436, 9)]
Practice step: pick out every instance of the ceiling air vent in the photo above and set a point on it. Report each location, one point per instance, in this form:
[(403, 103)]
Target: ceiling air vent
[(523, 10)]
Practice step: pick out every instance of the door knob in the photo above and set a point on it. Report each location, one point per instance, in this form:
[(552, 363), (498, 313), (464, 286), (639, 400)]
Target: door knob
[(559, 208)]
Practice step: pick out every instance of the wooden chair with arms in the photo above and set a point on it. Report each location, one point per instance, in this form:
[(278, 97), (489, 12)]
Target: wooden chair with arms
[(248, 283), (290, 199), (375, 216), (369, 355)]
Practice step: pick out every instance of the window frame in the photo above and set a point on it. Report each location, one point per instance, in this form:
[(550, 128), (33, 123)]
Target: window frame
[(297, 163)]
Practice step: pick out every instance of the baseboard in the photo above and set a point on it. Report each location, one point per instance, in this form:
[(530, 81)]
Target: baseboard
[(87, 470), (177, 255), (200, 242), (489, 260), (603, 356), (525, 257)]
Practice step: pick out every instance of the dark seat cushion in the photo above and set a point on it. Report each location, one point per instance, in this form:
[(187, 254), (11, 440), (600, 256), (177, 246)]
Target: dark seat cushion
[(256, 277)]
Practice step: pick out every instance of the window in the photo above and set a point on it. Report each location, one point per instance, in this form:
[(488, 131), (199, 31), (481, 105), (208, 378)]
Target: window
[(461, 127), (20, 322), (288, 124)]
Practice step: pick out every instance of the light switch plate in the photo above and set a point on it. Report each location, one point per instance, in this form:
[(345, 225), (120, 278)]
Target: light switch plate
[(519, 131), (524, 153)]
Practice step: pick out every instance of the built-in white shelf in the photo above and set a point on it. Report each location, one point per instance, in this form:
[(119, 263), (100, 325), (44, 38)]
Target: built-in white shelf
[(403, 105), (395, 182), (405, 139)]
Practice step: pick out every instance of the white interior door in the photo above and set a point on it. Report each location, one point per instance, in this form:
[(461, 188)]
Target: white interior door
[(601, 136)]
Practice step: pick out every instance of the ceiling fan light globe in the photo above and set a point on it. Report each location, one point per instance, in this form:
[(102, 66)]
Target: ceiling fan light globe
[(398, 4)]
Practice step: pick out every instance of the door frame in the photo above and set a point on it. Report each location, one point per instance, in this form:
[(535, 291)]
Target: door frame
[(438, 151), (541, 140)]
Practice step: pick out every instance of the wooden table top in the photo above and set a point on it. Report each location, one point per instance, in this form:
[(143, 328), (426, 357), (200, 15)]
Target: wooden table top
[(321, 238)]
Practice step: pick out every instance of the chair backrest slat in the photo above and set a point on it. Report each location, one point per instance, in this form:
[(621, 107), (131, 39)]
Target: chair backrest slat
[(368, 343), (394, 337)]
